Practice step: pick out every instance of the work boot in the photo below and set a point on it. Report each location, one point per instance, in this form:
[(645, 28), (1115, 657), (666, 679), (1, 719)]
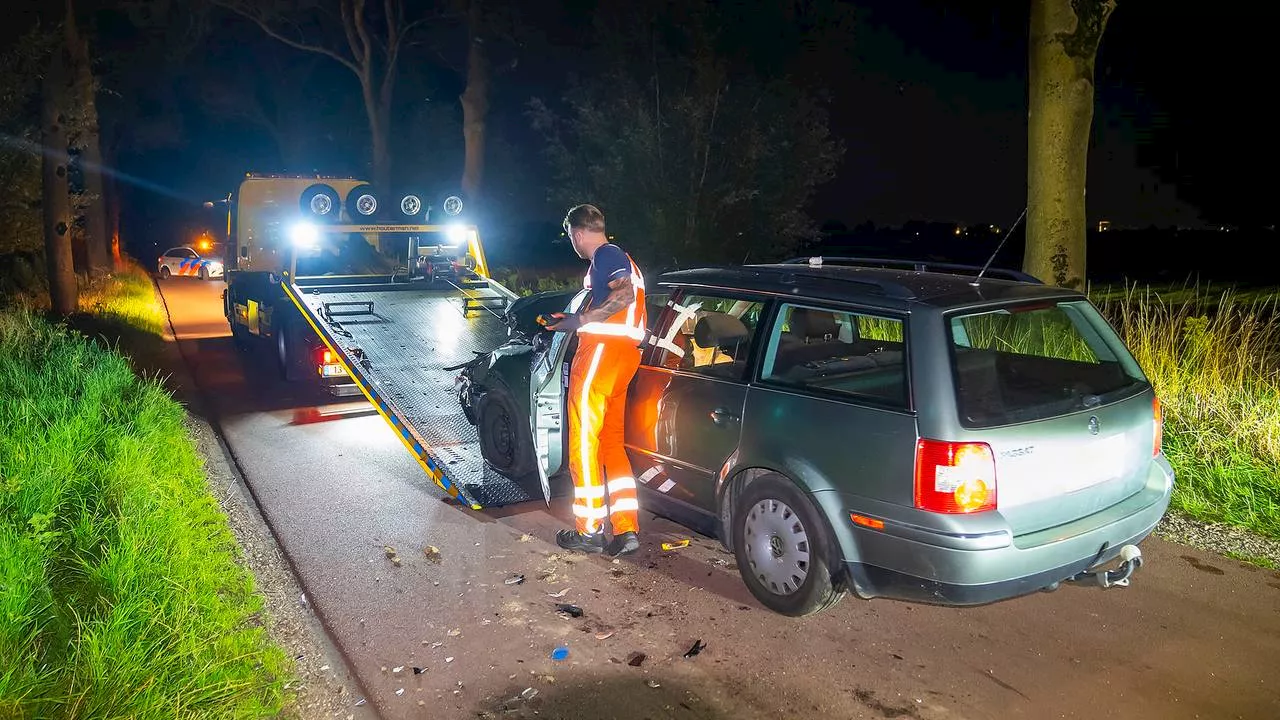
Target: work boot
[(623, 544), (574, 540)]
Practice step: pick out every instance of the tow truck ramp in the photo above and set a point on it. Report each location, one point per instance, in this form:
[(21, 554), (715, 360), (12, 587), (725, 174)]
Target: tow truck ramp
[(395, 339)]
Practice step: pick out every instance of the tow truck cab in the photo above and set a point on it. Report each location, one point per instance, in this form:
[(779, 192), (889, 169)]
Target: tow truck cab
[(336, 232)]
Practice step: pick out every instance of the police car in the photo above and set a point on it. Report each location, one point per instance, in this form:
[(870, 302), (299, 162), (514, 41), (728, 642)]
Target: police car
[(185, 262)]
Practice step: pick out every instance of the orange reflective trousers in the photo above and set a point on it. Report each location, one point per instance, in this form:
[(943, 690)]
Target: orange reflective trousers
[(598, 380)]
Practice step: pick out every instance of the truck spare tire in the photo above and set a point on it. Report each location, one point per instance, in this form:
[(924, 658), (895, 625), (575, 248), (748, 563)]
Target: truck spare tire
[(321, 202), (363, 202)]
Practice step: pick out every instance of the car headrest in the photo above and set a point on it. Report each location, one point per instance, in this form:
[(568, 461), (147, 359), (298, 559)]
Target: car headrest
[(810, 324), (716, 329)]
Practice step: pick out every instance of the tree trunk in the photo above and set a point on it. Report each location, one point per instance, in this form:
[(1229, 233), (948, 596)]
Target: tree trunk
[(63, 293), (1064, 42), (97, 242), (475, 104), (379, 130), (111, 208)]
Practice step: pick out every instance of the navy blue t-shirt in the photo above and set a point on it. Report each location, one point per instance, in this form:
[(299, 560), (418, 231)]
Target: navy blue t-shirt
[(607, 264)]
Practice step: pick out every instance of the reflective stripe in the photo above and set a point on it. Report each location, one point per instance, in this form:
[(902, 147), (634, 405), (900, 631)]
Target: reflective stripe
[(622, 483), (591, 513), (612, 330), (624, 505), (684, 313), (585, 407), (595, 492)]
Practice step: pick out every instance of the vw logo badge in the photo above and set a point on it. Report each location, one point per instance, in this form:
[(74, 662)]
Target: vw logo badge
[(1093, 425)]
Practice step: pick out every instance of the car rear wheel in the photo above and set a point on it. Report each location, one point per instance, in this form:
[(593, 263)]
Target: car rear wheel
[(505, 438), (783, 550), (164, 272)]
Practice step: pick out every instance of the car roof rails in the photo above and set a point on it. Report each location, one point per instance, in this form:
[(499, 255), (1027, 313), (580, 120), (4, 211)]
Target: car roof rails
[(916, 265)]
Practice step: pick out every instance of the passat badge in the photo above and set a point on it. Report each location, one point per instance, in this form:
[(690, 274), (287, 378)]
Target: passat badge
[(1093, 425)]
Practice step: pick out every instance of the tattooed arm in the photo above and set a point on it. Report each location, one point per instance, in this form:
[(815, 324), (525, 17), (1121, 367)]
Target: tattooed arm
[(621, 294)]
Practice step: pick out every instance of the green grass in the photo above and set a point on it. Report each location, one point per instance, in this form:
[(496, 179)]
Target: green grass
[(120, 595), (1214, 359), (126, 297)]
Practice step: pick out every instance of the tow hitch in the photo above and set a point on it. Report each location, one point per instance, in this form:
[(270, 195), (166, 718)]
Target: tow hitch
[(1130, 560)]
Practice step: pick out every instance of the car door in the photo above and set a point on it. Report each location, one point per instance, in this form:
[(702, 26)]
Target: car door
[(684, 412), (171, 259)]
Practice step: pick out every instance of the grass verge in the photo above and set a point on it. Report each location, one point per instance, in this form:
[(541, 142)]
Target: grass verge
[(1214, 359), (120, 595)]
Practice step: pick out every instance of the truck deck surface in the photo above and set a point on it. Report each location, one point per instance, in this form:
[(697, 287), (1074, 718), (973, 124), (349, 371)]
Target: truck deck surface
[(403, 345)]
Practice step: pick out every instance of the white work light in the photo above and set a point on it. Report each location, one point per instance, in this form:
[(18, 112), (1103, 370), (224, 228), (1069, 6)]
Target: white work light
[(304, 234)]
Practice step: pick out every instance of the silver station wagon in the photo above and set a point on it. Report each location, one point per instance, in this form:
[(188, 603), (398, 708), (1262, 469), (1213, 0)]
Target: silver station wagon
[(887, 428)]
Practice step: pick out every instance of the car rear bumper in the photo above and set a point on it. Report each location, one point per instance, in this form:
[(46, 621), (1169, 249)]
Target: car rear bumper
[(912, 563)]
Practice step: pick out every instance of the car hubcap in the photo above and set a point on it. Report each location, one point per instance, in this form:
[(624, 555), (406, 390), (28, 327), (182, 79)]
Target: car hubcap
[(777, 546), (366, 204), (502, 440)]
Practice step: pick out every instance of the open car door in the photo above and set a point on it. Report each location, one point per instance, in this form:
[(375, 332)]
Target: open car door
[(548, 381)]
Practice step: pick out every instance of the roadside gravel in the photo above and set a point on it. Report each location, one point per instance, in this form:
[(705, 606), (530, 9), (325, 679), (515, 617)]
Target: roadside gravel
[(1222, 539)]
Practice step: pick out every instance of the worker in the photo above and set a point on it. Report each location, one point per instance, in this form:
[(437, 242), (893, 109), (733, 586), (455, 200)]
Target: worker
[(610, 329)]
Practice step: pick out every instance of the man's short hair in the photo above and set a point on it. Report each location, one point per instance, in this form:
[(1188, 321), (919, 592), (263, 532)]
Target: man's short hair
[(584, 217)]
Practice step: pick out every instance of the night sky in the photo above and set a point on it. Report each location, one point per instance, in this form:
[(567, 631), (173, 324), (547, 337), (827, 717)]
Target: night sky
[(929, 99)]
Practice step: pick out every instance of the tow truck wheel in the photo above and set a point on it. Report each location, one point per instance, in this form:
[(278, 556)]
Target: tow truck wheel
[(288, 354), (505, 439)]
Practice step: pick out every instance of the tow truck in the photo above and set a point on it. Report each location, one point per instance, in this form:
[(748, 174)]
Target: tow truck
[(383, 296)]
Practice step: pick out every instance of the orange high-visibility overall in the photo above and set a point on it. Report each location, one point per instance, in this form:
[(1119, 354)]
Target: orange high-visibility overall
[(607, 358)]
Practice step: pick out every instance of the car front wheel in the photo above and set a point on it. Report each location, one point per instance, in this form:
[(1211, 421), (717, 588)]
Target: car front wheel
[(782, 548), (164, 272), (505, 439)]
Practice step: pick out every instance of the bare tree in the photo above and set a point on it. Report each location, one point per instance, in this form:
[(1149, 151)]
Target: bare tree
[(372, 38), (1064, 40), (63, 293)]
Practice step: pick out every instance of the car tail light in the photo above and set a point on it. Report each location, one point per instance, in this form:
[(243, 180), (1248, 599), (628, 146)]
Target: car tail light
[(1157, 411), (955, 477)]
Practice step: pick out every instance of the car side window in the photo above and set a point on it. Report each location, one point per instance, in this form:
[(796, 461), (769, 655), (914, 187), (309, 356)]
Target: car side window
[(174, 253), (709, 334), (836, 352)]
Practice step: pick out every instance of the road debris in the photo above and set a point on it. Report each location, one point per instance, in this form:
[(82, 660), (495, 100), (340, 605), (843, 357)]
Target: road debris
[(569, 609), (526, 538), (698, 646), (653, 683), (514, 580), (675, 545), (400, 691), (432, 552), (449, 659), (454, 632), (303, 602), (391, 554), (419, 670), (558, 595), (560, 653), (360, 702), (528, 693), (604, 635), (636, 659)]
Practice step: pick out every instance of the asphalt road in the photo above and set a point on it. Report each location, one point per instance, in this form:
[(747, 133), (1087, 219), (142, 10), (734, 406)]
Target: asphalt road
[(1196, 635)]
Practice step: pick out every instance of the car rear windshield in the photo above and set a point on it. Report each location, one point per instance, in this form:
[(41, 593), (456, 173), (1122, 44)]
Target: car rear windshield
[(1034, 361)]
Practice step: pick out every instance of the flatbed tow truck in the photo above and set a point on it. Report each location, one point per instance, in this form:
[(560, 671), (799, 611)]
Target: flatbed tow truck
[(394, 337)]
